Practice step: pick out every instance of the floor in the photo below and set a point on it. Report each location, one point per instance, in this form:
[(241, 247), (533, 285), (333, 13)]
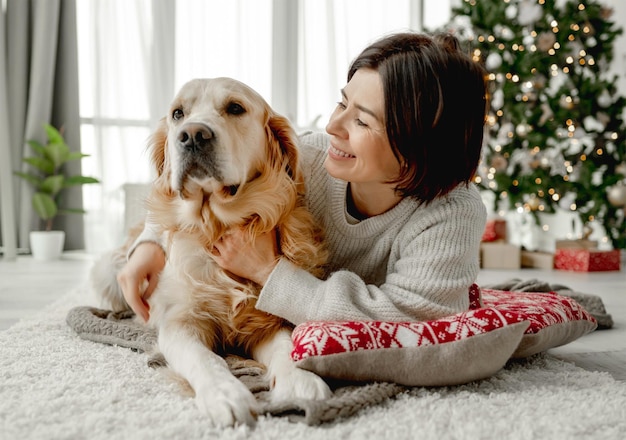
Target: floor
[(27, 286)]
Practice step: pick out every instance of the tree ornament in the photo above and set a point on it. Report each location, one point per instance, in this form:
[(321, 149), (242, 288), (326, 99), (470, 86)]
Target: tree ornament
[(493, 61), (529, 12), (499, 163), (592, 124), (557, 80), (603, 118), (616, 195), (510, 12), (546, 113), (597, 177), (497, 99), (507, 33), (606, 12), (533, 203), (539, 82), (605, 100), (527, 86), (545, 41)]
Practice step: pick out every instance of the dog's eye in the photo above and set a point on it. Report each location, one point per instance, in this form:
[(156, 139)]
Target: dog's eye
[(177, 114), (235, 109)]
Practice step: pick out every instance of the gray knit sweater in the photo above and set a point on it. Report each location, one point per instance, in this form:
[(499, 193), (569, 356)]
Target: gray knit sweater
[(414, 262)]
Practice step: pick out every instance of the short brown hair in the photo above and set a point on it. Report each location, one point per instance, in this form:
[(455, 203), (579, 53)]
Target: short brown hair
[(434, 109)]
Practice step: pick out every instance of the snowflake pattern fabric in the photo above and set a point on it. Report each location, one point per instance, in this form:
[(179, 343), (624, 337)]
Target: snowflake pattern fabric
[(324, 338), (541, 309), (554, 320)]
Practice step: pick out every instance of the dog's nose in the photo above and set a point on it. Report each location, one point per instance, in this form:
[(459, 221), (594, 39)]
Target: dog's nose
[(195, 136)]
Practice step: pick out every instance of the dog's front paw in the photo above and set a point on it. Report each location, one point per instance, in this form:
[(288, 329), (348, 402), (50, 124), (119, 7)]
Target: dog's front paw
[(300, 384), (227, 402)]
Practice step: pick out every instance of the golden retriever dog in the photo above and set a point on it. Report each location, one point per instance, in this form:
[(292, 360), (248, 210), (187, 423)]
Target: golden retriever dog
[(224, 159)]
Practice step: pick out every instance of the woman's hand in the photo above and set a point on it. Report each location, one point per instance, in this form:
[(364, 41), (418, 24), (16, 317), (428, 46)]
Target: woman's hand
[(144, 266), (251, 259)]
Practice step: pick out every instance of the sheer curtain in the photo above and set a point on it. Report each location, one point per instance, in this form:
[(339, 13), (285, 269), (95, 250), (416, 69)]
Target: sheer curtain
[(224, 38), (135, 55), (331, 34), (115, 37)]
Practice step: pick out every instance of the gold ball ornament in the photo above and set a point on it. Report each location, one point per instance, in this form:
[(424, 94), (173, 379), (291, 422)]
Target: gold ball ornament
[(499, 162), (606, 12), (533, 203), (545, 41), (617, 195)]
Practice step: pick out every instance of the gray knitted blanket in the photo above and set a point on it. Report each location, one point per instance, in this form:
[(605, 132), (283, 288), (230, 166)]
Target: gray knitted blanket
[(121, 329), (592, 303)]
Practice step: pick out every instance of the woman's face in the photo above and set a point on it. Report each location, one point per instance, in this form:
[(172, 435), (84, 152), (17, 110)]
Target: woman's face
[(359, 148)]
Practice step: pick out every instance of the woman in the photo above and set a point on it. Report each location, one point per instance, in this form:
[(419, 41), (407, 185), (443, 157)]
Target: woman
[(391, 185)]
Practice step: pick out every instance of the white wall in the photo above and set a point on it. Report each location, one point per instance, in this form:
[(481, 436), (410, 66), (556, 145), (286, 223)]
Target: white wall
[(619, 58)]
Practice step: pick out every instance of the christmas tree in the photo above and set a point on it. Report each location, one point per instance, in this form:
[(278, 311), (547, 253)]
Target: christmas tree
[(554, 132)]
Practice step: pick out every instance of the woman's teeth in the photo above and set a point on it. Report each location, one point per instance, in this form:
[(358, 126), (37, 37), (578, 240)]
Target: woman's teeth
[(340, 153)]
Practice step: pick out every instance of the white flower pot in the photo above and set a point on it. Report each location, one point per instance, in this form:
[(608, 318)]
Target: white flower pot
[(47, 245)]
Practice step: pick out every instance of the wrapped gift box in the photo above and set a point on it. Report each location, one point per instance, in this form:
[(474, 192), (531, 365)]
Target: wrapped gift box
[(537, 260), (581, 243), (586, 260), (495, 229), (500, 255)]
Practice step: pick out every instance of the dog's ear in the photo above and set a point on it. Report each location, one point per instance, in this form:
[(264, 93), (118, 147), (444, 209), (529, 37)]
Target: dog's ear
[(157, 144), (286, 141)]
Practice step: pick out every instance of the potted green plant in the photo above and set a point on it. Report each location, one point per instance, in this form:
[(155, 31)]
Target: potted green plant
[(48, 179)]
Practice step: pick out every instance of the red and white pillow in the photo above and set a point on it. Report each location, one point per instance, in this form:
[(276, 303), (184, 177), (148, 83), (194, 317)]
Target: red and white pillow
[(555, 319), (457, 349)]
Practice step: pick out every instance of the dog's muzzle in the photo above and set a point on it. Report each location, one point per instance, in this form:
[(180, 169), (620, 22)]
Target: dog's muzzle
[(196, 148)]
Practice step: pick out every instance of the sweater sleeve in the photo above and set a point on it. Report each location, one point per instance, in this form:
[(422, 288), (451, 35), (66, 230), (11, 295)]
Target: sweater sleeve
[(151, 233), (432, 264)]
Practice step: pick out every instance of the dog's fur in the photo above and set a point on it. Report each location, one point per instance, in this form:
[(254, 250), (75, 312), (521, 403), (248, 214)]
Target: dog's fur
[(224, 159)]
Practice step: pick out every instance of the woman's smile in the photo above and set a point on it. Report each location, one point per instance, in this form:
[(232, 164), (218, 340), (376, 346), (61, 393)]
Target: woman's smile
[(336, 153)]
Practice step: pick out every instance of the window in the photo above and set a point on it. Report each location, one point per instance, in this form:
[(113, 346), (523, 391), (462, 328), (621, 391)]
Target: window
[(224, 38)]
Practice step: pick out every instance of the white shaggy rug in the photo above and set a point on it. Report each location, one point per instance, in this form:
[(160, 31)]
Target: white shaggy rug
[(54, 385)]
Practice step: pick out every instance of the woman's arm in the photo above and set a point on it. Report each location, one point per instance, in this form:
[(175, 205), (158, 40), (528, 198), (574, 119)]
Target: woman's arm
[(433, 262)]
